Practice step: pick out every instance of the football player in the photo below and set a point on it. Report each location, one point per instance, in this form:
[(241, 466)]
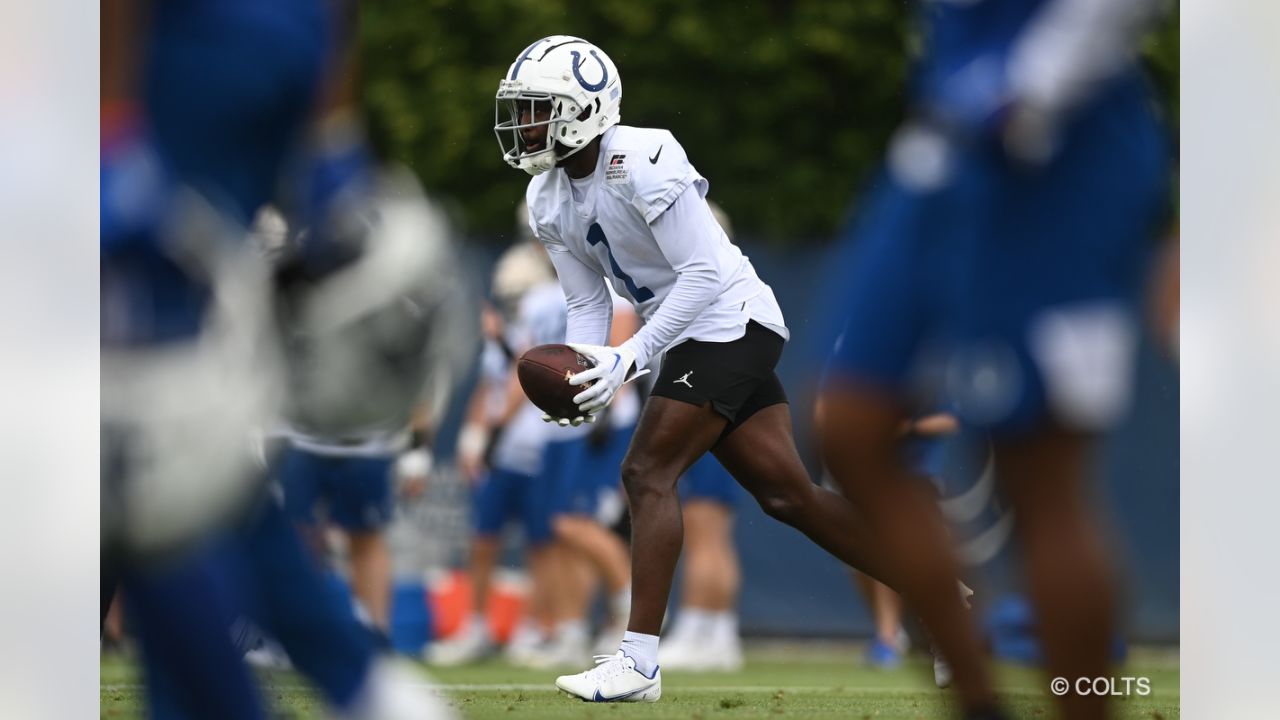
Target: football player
[(203, 100), (998, 260), (586, 502), (624, 206), (704, 636), (921, 443), (184, 329), (501, 451), (360, 412)]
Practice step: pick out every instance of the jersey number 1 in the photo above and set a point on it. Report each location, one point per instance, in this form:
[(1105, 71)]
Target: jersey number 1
[(595, 236)]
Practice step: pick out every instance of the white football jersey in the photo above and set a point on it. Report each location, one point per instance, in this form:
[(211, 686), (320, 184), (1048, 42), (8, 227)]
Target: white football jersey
[(604, 222), (495, 370), (540, 320)]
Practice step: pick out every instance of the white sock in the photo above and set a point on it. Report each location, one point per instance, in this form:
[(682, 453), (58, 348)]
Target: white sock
[(698, 623), (572, 631), (724, 627), (679, 629), (643, 649), (526, 632)]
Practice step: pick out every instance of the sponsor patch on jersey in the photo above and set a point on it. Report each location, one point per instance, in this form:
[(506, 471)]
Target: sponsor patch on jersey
[(616, 171)]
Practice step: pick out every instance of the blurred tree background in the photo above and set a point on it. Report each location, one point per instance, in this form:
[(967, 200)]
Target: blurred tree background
[(784, 106)]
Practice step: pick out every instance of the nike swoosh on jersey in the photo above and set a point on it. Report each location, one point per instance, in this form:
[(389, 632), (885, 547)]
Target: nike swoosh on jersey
[(654, 159)]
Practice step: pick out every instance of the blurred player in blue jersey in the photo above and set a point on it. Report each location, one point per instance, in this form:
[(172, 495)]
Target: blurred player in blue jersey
[(203, 102), (922, 445), (998, 259), (183, 171)]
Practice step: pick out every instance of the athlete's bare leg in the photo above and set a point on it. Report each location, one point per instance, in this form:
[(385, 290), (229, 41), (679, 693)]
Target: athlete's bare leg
[(885, 604), (484, 557), (711, 572), (545, 600), (605, 550), (670, 437), (1066, 560), (371, 575), (582, 581), (861, 449)]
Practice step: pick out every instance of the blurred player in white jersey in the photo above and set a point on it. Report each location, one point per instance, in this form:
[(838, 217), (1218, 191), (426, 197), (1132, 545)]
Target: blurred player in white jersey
[(501, 451), (624, 206), (586, 502), (342, 459)]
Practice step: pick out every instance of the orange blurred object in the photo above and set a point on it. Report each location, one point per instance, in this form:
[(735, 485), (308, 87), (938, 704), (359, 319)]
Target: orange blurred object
[(451, 603)]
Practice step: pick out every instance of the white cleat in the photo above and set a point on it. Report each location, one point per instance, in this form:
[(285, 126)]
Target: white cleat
[(524, 644), (395, 690), (268, 655), (558, 652), (724, 655), (613, 679), (469, 646)]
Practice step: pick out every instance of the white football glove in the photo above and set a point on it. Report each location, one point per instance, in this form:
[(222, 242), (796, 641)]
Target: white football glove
[(612, 366), (566, 422)]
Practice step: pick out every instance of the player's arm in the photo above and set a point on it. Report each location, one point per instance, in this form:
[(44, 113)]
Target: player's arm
[(1071, 46), (590, 310), (515, 399), (473, 439), (477, 425), (523, 334), (685, 233), (1066, 52), (625, 324), (413, 467)]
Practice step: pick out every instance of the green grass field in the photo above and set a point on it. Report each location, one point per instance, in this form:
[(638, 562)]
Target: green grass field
[(780, 681)]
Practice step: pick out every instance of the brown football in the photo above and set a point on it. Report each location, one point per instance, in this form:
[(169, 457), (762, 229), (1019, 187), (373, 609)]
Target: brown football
[(544, 374)]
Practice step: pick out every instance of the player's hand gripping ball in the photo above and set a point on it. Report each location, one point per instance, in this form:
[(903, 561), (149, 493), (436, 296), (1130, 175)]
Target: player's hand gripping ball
[(544, 373)]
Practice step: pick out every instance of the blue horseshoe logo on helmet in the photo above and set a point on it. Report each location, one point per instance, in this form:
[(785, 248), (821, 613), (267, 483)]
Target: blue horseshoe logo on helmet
[(604, 71)]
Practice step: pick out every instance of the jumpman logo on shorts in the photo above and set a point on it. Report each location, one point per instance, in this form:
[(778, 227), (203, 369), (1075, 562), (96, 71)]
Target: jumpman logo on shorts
[(684, 379)]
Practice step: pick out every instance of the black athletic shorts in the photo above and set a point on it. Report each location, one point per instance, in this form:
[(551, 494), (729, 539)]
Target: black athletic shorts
[(736, 377)]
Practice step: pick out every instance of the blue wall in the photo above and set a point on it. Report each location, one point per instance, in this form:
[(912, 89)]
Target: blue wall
[(793, 588)]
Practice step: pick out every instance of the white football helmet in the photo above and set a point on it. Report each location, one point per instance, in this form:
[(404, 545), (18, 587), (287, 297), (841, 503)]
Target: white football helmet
[(583, 88)]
